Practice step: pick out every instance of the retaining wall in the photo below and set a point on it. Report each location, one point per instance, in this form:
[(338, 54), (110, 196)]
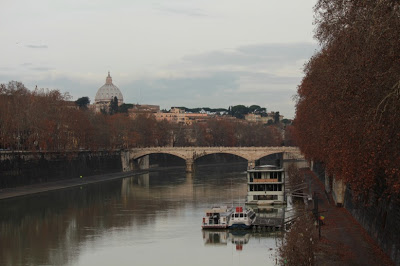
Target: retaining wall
[(379, 216), (25, 168)]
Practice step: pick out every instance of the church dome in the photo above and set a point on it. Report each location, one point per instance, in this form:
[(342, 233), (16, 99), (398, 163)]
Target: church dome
[(108, 91)]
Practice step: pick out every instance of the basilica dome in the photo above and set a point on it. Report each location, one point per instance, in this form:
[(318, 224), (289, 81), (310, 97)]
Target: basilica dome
[(108, 91)]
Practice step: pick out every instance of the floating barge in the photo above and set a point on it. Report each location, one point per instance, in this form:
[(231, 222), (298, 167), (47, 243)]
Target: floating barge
[(264, 223), (266, 185)]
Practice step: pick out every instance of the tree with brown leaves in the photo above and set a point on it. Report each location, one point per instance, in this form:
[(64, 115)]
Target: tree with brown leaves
[(348, 107)]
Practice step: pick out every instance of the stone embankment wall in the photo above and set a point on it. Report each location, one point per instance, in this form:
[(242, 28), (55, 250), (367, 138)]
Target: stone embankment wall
[(24, 168), (380, 218), (378, 215)]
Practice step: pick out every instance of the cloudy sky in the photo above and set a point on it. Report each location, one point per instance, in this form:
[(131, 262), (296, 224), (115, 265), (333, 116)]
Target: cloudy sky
[(193, 53)]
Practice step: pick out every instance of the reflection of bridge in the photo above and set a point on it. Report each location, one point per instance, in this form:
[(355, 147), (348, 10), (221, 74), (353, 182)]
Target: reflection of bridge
[(190, 154)]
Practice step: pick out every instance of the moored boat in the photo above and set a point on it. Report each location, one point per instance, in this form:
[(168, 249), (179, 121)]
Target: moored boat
[(266, 185), (216, 217), (241, 218)]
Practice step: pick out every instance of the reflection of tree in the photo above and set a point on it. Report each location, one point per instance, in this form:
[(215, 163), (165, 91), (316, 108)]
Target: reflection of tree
[(49, 227)]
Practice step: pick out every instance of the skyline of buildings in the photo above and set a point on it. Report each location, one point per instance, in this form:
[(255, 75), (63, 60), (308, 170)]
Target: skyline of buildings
[(106, 93)]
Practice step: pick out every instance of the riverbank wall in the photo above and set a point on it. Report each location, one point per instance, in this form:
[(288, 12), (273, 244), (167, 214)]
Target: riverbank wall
[(378, 215), (25, 168)]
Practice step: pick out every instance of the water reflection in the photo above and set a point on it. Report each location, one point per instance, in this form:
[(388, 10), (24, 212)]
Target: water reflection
[(152, 217), (223, 237)]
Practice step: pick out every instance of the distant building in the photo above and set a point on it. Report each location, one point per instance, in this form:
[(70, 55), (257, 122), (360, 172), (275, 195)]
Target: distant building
[(143, 109), (256, 118), (177, 115), (105, 94)]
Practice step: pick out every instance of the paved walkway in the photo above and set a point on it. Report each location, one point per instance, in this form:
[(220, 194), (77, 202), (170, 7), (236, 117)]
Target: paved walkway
[(61, 184), (343, 240)]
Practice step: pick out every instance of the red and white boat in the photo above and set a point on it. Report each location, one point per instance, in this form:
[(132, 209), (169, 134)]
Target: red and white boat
[(241, 218)]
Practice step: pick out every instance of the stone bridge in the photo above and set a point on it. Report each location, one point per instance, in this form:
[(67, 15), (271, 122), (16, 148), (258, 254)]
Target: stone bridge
[(190, 154)]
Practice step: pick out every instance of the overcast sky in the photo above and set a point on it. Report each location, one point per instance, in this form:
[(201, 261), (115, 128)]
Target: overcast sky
[(193, 53)]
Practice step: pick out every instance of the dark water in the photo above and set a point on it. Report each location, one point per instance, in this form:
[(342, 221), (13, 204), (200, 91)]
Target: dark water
[(151, 219)]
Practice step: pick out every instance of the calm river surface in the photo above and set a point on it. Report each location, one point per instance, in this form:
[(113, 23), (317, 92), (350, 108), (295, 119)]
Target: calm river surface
[(151, 219)]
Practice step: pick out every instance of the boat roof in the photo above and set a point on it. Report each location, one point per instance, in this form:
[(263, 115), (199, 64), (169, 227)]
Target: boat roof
[(218, 209), (266, 167)]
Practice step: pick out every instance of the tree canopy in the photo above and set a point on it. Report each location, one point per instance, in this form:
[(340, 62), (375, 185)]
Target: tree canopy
[(123, 108), (113, 106), (44, 120), (348, 103), (83, 102)]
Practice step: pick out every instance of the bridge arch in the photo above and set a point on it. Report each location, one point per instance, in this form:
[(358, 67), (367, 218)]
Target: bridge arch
[(196, 157), (144, 153), (190, 154)]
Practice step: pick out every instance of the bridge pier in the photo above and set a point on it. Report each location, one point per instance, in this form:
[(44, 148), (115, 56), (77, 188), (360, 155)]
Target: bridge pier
[(126, 162), (189, 165), (252, 164)]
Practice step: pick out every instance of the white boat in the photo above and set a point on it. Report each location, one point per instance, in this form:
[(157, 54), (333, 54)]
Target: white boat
[(241, 218), (216, 217), (266, 185)]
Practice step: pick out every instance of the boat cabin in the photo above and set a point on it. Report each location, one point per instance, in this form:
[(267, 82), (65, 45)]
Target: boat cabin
[(216, 217), (266, 185)]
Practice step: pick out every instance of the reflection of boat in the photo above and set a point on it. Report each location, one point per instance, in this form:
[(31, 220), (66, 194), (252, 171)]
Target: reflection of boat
[(266, 185), (239, 239), (215, 237), (241, 219), (222, 237), (216, 217)]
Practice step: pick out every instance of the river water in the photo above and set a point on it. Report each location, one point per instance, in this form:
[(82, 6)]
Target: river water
[(149, 219)]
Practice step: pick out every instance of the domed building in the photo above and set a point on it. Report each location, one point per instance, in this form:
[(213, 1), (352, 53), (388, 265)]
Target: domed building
[(106, 93)]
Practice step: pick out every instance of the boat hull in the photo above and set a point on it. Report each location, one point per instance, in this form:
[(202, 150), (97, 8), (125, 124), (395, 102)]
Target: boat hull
[(215, 226), (240, 226)]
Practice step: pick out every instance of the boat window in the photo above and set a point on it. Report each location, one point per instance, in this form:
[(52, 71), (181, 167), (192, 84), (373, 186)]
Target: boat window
[(236, 215), (245, 215), (264, 175), (241, 215), (232, 215)]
